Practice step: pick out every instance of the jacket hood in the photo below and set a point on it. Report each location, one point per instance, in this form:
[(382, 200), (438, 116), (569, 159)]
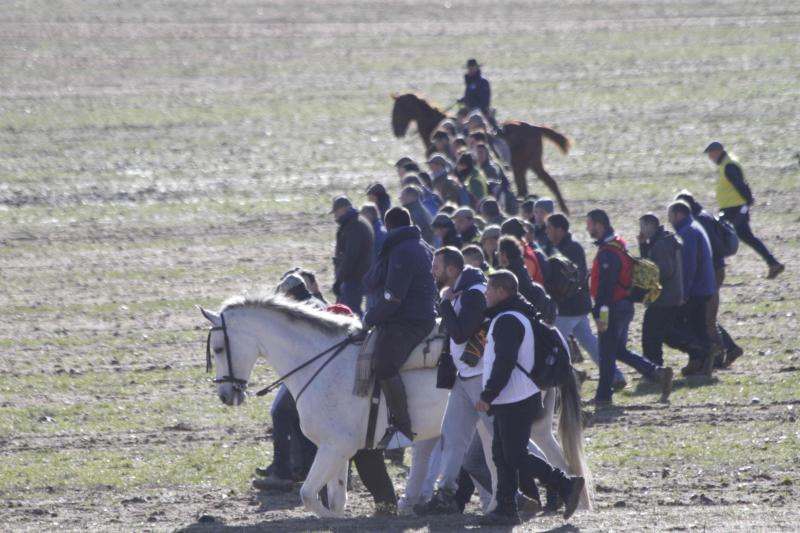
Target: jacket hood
[(469, 276), (683, 223), (398, 235), (514, 303)]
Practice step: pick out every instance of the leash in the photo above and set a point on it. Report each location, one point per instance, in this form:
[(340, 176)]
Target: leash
[(336, 349)]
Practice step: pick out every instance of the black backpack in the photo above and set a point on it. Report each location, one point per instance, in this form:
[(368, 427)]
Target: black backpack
[(728, 236), (563, 281), (552, 366)]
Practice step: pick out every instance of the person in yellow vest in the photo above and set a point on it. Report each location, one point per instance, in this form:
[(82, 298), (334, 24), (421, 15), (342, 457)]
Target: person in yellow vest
[(734, 199)]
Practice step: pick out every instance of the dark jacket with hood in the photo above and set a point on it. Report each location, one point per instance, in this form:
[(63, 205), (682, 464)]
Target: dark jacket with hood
[(402, 278), (477, 93), (580, 303), (508, 335), (533, 292), (664, 249), (353, 247), (460, 327)]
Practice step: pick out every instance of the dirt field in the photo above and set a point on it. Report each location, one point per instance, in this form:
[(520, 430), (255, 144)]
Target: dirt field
[(158, 155)]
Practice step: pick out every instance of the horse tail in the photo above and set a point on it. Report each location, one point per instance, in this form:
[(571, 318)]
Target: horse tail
[(563, 142), (570, 433)]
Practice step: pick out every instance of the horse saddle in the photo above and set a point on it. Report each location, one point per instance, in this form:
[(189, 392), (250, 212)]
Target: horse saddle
[(424, 355)]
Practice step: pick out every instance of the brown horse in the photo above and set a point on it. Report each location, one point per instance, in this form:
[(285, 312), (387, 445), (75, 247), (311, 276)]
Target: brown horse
[(524, 140)]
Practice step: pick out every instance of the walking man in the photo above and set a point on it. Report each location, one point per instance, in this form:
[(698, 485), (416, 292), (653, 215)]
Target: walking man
[(612, 273), (404, 315), (353, 254), (735, 199), (515, 402)]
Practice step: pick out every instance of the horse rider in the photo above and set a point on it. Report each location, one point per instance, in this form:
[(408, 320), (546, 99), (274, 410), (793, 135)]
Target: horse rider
[(735, 199), (477, 91), (404, 315)]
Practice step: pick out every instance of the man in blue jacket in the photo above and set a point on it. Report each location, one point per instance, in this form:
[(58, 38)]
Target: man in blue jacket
[(699, 285), (404, 314)]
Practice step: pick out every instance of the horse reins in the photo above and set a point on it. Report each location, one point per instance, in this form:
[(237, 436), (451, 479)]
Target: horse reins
[(241, 384)]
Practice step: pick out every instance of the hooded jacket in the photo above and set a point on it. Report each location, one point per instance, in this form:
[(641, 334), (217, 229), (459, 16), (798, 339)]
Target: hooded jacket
[(353, 255), (698, 269), (402, 276)]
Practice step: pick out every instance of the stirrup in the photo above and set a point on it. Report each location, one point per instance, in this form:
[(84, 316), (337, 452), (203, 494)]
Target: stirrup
[(394, 439)]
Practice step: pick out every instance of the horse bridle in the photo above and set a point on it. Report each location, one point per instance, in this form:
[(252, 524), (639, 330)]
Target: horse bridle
[(237, 383)]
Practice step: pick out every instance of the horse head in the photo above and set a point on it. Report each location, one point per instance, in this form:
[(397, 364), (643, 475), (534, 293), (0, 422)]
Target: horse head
[(234, 352), (406, 108)]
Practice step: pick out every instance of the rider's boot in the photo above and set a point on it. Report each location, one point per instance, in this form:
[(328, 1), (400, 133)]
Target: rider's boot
[(398, 434)]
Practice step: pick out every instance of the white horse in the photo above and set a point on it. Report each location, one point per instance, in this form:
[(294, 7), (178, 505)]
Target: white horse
[(289, 334)]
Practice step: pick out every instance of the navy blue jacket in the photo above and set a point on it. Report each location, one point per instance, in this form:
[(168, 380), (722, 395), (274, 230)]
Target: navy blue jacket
[(610, 267), (698, 269), (460, 327), (402, 277), (380, 236), (478, 92)]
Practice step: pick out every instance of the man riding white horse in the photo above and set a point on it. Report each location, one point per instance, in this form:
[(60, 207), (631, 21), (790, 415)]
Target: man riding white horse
[(404, 315)]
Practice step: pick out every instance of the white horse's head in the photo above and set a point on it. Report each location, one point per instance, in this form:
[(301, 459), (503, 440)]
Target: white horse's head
[(233, 355)]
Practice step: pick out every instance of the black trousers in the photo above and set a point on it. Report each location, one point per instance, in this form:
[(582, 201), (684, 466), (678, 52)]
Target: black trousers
[(516, 467), (657, 324), (690, 334), (372, 471), (741, 222), (396, 340)]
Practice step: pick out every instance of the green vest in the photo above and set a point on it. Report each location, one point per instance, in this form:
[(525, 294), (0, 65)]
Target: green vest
[(727, 195)]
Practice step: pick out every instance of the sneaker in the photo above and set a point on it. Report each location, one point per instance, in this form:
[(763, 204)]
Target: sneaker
[(600, 404), (528, 505), (442, 502), (273, 482), (572, 499), (733, 355), (500, 517), (775, 270), (664, 376)]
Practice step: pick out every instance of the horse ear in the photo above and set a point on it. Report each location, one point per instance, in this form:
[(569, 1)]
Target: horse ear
[(211, 316), (394, 96)]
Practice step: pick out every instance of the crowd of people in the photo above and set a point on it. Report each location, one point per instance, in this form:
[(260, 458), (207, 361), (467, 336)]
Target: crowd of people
[(461, 248)]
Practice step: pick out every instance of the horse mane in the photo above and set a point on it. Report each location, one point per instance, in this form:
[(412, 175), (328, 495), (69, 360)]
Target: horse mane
[(296, 311)]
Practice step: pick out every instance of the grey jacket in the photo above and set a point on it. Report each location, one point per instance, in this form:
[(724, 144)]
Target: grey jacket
[(664, 249)]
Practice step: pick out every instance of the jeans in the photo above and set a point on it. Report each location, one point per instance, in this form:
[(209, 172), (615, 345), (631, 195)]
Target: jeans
[(741, 222), (614, 345), (579, 327), (292, 451), (658, 323), (351, 293)]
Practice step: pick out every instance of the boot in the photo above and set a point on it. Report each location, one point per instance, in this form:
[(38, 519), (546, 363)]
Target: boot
[(398, 434), (505, 514), (570, 490), (664, 377), (552, 501), (774, 270), (693, 368)]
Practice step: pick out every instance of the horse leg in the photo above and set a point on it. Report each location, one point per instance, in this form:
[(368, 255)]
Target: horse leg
[(337, 490), (548, 180), (327, 464), (520, 168), (542, 434), (485, 430)]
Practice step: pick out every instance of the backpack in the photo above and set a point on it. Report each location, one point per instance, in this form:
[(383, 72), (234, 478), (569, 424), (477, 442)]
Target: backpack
[(552, 366), (645, 284), (563, 281), (728, 236)]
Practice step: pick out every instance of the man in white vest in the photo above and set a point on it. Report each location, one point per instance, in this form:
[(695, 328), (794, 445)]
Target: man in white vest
[(462, 310), (511, 396)]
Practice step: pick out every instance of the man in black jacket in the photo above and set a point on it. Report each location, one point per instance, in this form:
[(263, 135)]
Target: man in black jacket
[(735, 199), (516, 402), (353, 254), (404, 314), (724, 349), (509, 256), (573, 313)]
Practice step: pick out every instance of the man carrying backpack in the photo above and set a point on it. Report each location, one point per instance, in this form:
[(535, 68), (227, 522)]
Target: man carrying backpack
[(611, 278), (516, 402), (724, 349), (573, 311)]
